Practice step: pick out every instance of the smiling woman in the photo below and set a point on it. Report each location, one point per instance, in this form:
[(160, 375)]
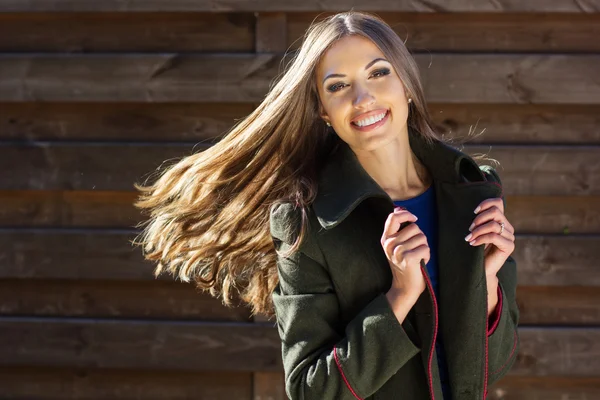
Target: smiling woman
[(308, 208)]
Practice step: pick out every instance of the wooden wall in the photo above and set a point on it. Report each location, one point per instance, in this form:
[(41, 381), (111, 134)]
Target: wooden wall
[(96, 94)]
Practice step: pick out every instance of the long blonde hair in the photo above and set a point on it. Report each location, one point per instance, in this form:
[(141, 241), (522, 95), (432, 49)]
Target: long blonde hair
[(209, 213)]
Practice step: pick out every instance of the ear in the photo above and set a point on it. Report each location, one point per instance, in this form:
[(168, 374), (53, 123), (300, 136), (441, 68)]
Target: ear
[(323, 114)]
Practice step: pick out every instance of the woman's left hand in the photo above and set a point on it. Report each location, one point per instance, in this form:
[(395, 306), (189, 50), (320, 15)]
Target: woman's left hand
[(487, 229)]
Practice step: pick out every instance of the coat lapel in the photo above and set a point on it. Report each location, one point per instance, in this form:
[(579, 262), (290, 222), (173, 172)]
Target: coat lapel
[(462, 307)]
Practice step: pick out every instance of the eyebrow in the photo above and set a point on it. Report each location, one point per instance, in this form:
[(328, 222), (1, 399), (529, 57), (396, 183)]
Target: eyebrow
[(366, 67)]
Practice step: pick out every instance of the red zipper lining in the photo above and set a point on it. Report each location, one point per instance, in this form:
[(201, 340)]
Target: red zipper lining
[(434, 333), (337, 361)]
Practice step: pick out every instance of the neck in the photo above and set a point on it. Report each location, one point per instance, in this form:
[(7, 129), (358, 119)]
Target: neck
[(396, 169)]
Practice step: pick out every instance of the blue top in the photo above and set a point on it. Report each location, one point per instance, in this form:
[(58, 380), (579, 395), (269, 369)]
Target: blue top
[(424, 207)]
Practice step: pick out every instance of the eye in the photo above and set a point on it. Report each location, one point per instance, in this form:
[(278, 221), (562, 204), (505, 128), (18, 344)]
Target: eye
[(335, 87), (381, 72)]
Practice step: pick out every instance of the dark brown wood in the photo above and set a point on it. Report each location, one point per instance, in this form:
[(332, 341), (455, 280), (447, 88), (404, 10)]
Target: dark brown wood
[(109, 299), (556, 305), (234, 347), (137, 344), (268, 385), (271, 32), (569, 260), (485, 32), (545, 388), (544, 170), (571, 305), (588, 6), (554, 214), (525, 170), (518, 123), (101, 384), (108, 209), (126, 32), (558, 351), (477, 123), (451, 78), (146, 122)]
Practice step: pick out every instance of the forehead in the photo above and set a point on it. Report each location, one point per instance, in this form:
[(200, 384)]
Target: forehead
[(348, 53)]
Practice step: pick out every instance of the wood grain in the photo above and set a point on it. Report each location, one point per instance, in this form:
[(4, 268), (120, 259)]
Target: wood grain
[(588, 6), (150, 122), (569, 305), (51, 383), (524, 170), (552, 260), (483, 32), (451, 78), (135, 344), (113, 299), (545, 388), (126, 32)]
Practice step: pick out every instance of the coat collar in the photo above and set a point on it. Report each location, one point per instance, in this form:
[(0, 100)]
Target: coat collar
[(344, 183)]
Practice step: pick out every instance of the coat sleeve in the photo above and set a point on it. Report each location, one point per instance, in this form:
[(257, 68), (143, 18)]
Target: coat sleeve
[(503, 335), (323, 359)]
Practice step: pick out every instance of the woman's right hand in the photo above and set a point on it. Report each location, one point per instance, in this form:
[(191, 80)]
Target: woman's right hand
[(404, 250)]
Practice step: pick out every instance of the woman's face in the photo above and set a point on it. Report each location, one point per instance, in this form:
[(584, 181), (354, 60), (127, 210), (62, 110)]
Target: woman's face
[(357, 87)]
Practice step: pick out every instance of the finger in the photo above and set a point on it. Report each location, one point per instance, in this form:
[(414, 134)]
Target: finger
[(395, 219), (392, 246), (488, 203), (489, 227), (504, 244), (417, 254), (492, 214)]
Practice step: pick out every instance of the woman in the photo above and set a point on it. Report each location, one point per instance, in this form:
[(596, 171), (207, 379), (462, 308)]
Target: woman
[(384, 251)]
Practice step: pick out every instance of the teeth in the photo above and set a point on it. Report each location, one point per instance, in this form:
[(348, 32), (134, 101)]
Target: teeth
[(370, 120)]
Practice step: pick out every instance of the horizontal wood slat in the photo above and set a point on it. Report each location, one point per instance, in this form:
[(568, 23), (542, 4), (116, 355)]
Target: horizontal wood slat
[(94, 384), (542, 260), (545, 388), (452, 78), (588, 6), (148, 345), (44, 383), (235, 32), (525, 170), (112, 299), (229, 347), (555, 305), (489, 32), (124, 32), (477, 123), (106, 209)]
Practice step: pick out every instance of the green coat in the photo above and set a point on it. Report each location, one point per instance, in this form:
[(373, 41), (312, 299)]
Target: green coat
[(340, 338)]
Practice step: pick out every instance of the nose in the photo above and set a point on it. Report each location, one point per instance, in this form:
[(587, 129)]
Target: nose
[(362, 97)]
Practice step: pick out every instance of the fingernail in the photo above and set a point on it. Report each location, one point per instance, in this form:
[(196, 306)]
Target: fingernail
[(477, 209), (471, 242), (469, 236), (472, 226)]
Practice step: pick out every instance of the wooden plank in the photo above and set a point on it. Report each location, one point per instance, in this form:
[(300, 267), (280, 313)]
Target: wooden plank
[(569, 305), (109, 209), (146, 122), (451, 78), (268, 385), (545, 388), (233, 347), (557, 260), (271, 32), (489, 32), (126, 32), (556, 305), (136, 344), (100, 384), (110, 299), (493, 123), (53, 254), (589, 6), (558, 351), (525, 170)]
